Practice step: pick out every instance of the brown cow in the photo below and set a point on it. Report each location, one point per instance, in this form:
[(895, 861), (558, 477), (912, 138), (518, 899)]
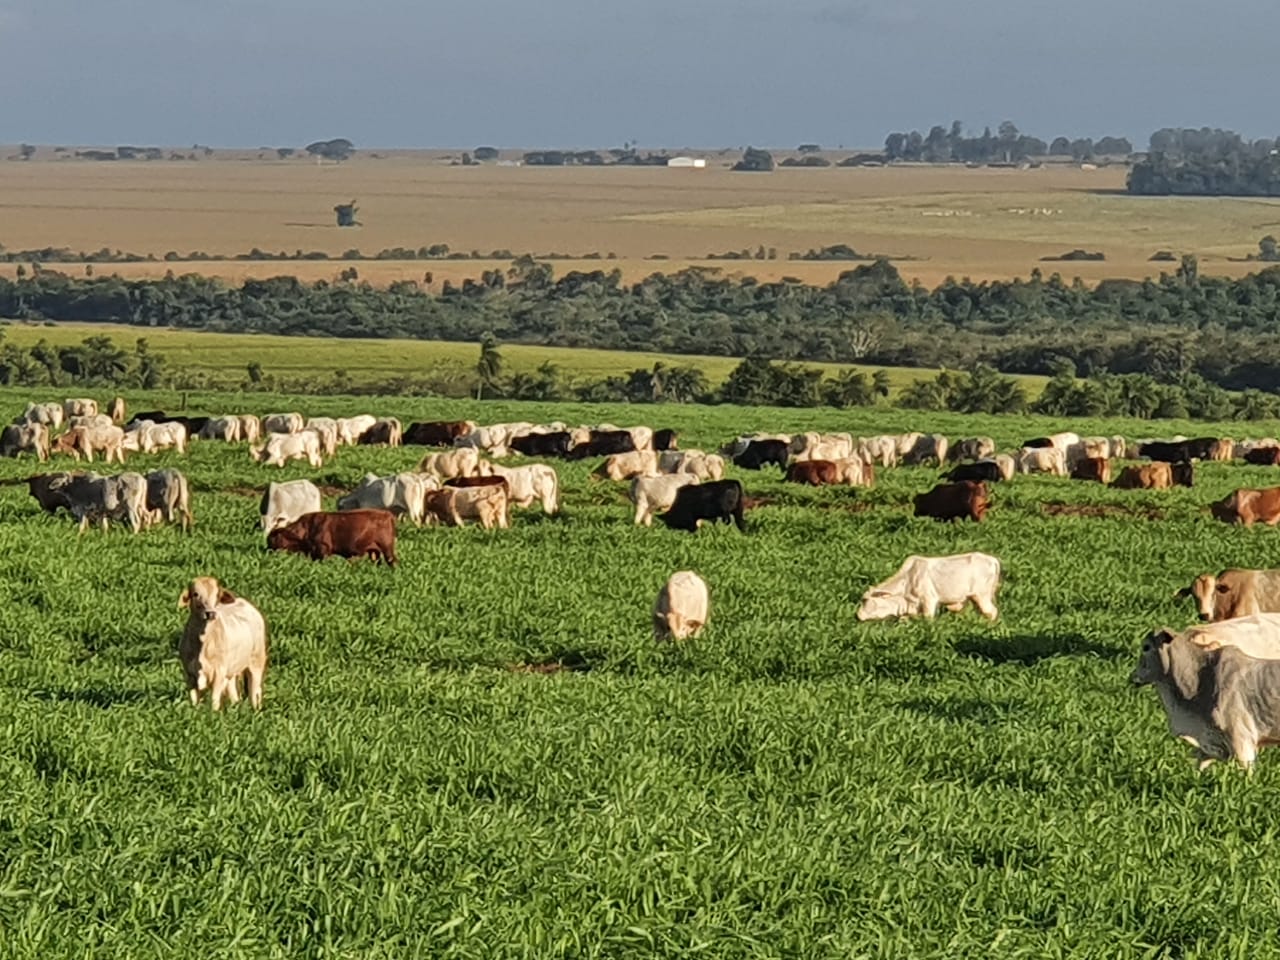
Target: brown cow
[(1222, 450), (816, 473), (1249, 507), (350, 533), (1150, 476), (1263, 456), (437, 433), (954, 501), (452, 505), (1092, 468), (1235, 593)]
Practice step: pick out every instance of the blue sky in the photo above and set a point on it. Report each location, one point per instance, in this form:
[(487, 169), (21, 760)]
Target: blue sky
[(578, 73)]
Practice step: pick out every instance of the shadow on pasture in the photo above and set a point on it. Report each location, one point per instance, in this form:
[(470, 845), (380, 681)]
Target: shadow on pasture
[(1029, 650), (94, 696), (561, 661), (962, 709), (124, 647)]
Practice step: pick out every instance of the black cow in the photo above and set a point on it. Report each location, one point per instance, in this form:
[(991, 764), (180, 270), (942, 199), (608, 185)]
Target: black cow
[(155, 416), (435, 433), (987, 470), (1183, 474), (1039, 442), (604, 443), (1166, 451), (760, 452), (542, 444), (719, 500), (665, 439)]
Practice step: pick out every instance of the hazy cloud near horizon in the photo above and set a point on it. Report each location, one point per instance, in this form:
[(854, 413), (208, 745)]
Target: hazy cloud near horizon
[(705, 73)]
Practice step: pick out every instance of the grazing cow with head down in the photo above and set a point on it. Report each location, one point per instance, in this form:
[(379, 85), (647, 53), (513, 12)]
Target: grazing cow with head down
[(954, 501), (653, 495), (554, 444), (1263, 456), (761, 453), (462, 462), (49, 414), (168, 498), (25, 438), (402, 494), (79, 407), (922, 584), (719, 500), (1151, 476), (283, 503), (485, 504), (282, 447), (282, 423), (385, 432), (1234, 593), (815, 473), (350, 534), (624, 466), (1092, 468), (665, 439), (526, 485), (437, 433), (1048, 459), (681, 608), (987, 471), (1249, 507), (972, 448), (50, 490), (225, 638)]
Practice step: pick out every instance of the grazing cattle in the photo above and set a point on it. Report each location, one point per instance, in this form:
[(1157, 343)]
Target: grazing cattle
[(1092, 468), (79, 408), (462, 462), (525, 485), (1263, 456), (1183, 474), (881, 449), (350, 428), (665, 439), (704, 466), (50, 490), (1048, 459), (250, 428), (49, 414), (385, 432), (282, 447), (815, 473), (681, 609), (350, 534), (85, 441), (719, 500), (954, 501), (465, 482), (604, 443), (972, 448), (624, 466), (222, 428), (492, 440), (1167, 451), (1037, 443), (1221, 450), (855, 472), (283, 503), (451, 506), (654, 495), (1249, 507), (555, 444), (115, 410), (1008, 466), (93, 421), (922, 584), (282, 423), (402, 494), (25, 438), (1091, 448), (1152, 476), (326, 428), (760, 453), (437, 433), (670, 461), (168, 498), (904, 443), (225, 638), (1235, 593), (155, 416), (151, 437), (122, 497), (927, 448), (987, 471), (1219, 699), (821, 446), (1119, 448)]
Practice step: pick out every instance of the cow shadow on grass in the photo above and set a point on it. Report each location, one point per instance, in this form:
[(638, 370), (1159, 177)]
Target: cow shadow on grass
[(1030, 649), (95, 695)]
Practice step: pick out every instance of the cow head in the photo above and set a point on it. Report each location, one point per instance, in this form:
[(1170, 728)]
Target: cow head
[(881, 605), (1153, 660), (1226, 509), (287, 537), (1182, 473), (258, 453), (203, 596), (1205, 588)]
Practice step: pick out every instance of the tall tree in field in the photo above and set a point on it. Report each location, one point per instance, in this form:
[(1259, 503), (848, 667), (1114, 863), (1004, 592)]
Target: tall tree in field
[(489, 366)]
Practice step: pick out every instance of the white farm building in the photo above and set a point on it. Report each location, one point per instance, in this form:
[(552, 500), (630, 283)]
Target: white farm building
[(694, 162)]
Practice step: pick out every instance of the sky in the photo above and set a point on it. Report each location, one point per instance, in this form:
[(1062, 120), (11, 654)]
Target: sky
[(596, 73)]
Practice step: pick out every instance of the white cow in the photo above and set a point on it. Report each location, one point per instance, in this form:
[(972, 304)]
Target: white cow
[(536, 481), (281, 447), (653, 495), (225, 638), (400, 493), (1006, 465), (882, 449), (326, 428), (460, 462), (49, 414), (922, 584), (350, 428), (1042, 460), (282, 423), (682, 607), (624, 466), (707, 466), (227, 429), (283, 503), (160, 436), (94, 421), (821, 446), (250, 428), (925, 448), (79, 407)]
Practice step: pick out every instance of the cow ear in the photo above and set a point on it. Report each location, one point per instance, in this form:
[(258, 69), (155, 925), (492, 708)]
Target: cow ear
[(226, 596), (184, 599)]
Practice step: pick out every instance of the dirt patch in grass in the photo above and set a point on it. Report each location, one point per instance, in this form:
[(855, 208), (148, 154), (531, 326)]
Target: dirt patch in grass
[(1099, 510)]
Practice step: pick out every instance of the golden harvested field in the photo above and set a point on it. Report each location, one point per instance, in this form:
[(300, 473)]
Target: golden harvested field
[(983, 223)]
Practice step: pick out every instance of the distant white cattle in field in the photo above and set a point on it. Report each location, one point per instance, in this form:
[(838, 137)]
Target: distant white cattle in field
[(641, 437), (926, 448), (221, 428), (1222, 700), (92, 498), (326, 428), (86, 441), (738, 445), (250, 428), (460, 462), (1091, 448), (94, 421), (79, 407), (972, 448), (168, 498), (283, 503), (491, 440), (624, 466), (225, 638), (882, 449), (1119, 448), (527, 484), (49, 414), (282, 423), (654, 495), (682, 607), (856, 472), (1006, 465), (25, 438), (400, 493), (922, 584), (821, 446), (1042, 460), (904, 443), (350, 428), (151, 437), (282, 447)]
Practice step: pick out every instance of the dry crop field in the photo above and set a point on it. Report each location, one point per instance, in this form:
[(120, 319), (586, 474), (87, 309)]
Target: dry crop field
[(483, 753), (982, 223)]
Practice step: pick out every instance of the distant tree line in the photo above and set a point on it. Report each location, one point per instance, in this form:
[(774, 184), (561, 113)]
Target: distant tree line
[(1207, 162), (1007, 145), (1224, 330)]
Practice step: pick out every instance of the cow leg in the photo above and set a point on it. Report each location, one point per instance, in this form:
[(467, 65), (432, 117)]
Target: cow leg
[(738, 518), (956, 607), (255, 686), (216, 689), (985, 606), (1244, 745)]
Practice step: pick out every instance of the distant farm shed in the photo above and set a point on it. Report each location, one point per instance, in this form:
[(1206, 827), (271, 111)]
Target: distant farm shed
[(691, 162)]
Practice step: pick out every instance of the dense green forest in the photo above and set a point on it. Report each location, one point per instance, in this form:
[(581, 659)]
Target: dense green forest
[(1207, 162)]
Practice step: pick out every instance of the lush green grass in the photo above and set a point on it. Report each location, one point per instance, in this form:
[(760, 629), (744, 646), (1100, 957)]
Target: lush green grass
[(791, 784), (224, 357)]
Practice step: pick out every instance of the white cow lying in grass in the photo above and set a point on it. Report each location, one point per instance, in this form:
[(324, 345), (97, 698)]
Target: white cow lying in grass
[(922, 584)]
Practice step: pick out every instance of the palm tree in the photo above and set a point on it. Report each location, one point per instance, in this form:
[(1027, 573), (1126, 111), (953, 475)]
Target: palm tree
[(489, 366)]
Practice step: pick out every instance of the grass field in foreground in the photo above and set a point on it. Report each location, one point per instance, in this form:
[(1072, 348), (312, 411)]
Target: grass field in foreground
[(224, 356), (794, 783)]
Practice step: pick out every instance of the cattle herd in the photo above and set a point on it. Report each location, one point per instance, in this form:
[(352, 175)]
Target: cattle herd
[(1219, 683)]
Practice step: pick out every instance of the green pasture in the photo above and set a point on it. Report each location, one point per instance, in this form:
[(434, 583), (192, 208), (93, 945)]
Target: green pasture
[(793, 783)]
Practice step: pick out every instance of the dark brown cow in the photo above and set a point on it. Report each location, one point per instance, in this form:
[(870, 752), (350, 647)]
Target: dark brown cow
[(350, 533), (479, 482), (1263, 456), (954, 501), (1151, 476), (816, 473), (1249, 507), (1092, 468), (436, 433)]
